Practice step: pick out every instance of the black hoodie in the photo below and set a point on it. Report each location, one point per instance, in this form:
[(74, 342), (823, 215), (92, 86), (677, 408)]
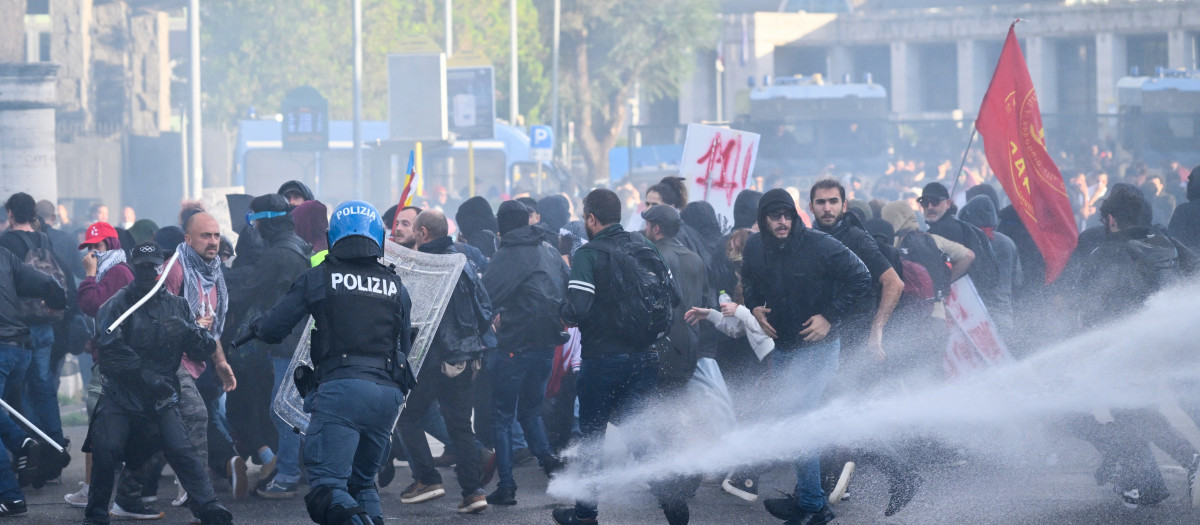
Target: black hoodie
[(851, 233), (808, 273), (1185, 222), (527, 281), (296, 186)]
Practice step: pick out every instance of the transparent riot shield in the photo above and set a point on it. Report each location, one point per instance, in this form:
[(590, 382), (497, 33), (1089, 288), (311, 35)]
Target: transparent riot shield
[(429, 279)]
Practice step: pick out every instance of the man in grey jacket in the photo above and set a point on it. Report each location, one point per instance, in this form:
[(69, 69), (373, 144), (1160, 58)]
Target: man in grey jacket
[(981, 212)]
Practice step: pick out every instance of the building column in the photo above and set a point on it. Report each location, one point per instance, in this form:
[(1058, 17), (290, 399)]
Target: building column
[(71, 48), (1181, 50), (840, 62), (150, 110), (1111, 64), (972, 75), (906, 72), (1042, 58)]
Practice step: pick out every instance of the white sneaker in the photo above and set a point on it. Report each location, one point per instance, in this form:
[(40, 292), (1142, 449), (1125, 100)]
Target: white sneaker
[(79, 498), (181, 496), (843, 483)]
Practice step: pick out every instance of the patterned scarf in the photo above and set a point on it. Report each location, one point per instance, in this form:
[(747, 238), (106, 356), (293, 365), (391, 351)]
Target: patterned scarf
[(199, 273), (107, 261)]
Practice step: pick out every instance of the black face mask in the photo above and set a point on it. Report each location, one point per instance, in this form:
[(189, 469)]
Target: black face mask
[(144, 276)]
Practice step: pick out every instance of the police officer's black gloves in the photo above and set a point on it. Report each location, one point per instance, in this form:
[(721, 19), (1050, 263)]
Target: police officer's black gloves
[(157, 385)]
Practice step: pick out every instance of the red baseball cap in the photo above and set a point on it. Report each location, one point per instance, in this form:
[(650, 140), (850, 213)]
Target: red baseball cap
[(97, 232)]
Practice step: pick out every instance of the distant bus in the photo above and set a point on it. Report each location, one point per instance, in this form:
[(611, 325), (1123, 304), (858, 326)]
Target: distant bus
[(1159, 117)]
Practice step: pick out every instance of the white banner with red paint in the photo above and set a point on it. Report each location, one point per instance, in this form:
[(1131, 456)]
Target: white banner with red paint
[(974, 342), (717, 164)]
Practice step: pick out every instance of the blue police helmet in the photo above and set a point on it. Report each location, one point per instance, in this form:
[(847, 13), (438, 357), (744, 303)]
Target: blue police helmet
[(355, 218)]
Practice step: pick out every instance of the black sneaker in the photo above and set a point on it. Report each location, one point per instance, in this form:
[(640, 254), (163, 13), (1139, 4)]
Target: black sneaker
[(552, 465), (502, 496), (901, 491), (677, 512), (568, 517), (29, 457), (1134, 498), (786, 509), (744, 487), (214, 513), (13, 507), (134, 510), (387, 473)]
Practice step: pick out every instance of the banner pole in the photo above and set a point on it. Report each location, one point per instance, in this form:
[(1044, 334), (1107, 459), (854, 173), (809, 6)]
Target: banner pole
[(963, 162)]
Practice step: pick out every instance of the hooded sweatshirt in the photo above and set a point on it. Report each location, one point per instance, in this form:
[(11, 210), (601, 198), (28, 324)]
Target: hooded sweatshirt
[(297, 186), (1185, 222), (981, 212), (478, 224), (808, 273)]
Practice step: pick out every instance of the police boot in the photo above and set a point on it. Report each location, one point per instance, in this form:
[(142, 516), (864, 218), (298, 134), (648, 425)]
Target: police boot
[(214, 513)]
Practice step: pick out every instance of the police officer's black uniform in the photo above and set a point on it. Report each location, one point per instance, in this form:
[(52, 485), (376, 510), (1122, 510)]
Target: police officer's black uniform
[(359, 351)]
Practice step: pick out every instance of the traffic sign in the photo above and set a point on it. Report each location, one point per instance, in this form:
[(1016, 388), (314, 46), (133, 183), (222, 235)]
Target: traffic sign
[(471, 94), (542, 137)]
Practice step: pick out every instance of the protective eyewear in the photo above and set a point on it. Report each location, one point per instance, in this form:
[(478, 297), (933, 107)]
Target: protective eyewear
[(779, 215), (927, 202), (251, 217)]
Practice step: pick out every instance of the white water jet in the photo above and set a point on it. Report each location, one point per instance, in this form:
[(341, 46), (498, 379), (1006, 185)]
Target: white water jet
[(1124, 364)]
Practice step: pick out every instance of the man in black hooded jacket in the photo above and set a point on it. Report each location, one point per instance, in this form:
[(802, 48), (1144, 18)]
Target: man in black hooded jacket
[(1185, 222), (283, 259), (526, 281), (139, 408), (801, 284)]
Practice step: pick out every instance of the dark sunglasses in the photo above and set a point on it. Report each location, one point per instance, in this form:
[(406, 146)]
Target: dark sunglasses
[(929, 201), (779, 215)]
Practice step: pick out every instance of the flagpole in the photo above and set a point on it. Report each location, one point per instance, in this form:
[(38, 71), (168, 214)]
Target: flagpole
[(963, 162)]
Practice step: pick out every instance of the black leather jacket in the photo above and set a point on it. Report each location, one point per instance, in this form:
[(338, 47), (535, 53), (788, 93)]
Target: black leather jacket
[(141, 345)]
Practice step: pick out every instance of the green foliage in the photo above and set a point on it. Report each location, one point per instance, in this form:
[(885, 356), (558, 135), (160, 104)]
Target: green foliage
[(626, 43), (254, 51)]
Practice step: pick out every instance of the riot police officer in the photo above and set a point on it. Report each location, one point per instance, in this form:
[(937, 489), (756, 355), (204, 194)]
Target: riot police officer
[(359, 353)]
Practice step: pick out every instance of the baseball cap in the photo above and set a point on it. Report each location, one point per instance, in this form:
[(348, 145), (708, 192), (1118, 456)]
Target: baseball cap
[(97, 232), (146, 252), (662, 215)]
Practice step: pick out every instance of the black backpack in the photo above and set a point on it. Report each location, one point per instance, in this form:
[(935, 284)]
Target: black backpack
[(644, 288), (35, 311), (1157, 259), (919, 247)]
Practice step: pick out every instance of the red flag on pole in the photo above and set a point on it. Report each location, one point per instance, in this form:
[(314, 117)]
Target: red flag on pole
[(1015, 143)]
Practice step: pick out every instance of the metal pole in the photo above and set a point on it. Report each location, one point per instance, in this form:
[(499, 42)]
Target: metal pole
[(358, 160), (12, 411), (471, 167), (514, 98), (195, 154), (554, 69), (958, 174), (449, 29)]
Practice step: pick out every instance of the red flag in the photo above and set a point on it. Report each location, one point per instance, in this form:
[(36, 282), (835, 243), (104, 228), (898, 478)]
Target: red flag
[(1011, 125)]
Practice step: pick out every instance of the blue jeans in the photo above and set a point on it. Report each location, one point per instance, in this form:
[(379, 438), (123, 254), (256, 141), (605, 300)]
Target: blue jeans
[(14, 361), (805, 373), (287, 457), (40, 400), (518, 388), (609, 388), (349, 438)]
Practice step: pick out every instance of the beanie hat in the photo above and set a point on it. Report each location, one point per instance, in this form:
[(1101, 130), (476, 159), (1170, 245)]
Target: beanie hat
[(745, 209), (556, 211), (512, 215), (269, 202), (475, 215)]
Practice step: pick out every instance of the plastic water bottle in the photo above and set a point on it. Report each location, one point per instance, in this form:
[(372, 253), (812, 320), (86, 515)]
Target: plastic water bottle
[(724, 298)]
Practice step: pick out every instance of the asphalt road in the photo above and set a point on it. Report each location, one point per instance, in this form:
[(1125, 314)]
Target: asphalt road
[(985, 491)]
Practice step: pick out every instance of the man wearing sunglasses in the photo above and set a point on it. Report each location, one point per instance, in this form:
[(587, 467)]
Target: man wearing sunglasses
[(800, 284), (985, 271)]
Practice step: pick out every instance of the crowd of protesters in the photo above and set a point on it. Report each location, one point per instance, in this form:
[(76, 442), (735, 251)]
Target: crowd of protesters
[(820, 292)]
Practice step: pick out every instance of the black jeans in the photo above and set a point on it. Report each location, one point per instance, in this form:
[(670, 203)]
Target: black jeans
[(117, 435), (454, 396), (248, 407)]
